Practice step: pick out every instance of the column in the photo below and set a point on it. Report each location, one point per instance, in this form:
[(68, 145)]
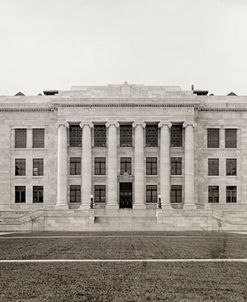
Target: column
[(62, 169), (165, 160), (189, 165), (139, 202), (86, 166), (112, 181)]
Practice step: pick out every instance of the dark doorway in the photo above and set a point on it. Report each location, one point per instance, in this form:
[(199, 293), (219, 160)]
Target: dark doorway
[(125, 195)]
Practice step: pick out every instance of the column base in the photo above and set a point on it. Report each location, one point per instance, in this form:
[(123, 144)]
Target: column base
[(61, 207), (139, 206), (112, 207), (189, 207)]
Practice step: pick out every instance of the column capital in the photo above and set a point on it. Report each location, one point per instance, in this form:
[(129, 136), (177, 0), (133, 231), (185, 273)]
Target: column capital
[(192, 123), (165, 123), (112, 123), (135, 124), (83, 124), (62, 124)]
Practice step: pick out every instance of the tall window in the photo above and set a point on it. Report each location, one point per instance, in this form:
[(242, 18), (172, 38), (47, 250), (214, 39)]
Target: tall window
[(176, 194), (125, 165), (231, 166), (75, 166), (213, 167), (20, 194), (20, 138), (213, 137), (125, 135), (99, 166), (213, 194), (38, 138), (151, 135), (75, 193), (38, 195), (38, 167), (99, 193), (151, 166), (230, 138), (231, 194), (176, 165), (151, 193), (20, 167), (99, 136), (176, 136), (75, 133)]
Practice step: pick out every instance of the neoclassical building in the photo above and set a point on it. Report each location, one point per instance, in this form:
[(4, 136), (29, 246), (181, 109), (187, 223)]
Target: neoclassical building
[(123, 157)]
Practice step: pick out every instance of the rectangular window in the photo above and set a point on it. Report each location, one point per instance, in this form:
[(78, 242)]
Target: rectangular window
[(38, 138), (176, 194), (151, 193), (213, 167), (125, 165), (230, 138), (176, 165), (151, 135), (231, 194), (20, 194), (151, 166), (99, 166), (99, 193), (20, 138), (213, 137), (177, 136), (38, 195), (38, 167), (75, 135), (99, 136), (75, 166), (125, 135), (75, 193), (20, 167), (213, 194), (231, 166)]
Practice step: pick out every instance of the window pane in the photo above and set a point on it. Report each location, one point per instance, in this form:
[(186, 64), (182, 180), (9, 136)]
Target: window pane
[(38, 167), (151, 166), (213, 137), (125, 165), (176, 194), (38, 138), (231, 194), (75, 135), (99, 166), (99, 193), (75, 193), (231, 166), (20, 138), (75, 166), (125, 135), (176, 165), (20, 194), (37, 194), (231, 138), (151, 136), (213, 194), (213, 166), (176, 136), (20, 167), (99, 136)]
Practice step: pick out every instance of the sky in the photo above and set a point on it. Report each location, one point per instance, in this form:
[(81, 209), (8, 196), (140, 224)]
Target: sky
[(54, 44)]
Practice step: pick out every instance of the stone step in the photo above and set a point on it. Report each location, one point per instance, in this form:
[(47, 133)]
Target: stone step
[(125, 219)]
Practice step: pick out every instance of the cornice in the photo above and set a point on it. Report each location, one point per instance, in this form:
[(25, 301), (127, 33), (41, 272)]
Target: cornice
[(25, 109)]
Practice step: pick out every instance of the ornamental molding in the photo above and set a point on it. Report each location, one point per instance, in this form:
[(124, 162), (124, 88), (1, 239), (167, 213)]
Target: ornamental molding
[(142, 124), (83, 124), (112, 123), (165, 123), (189, 123)]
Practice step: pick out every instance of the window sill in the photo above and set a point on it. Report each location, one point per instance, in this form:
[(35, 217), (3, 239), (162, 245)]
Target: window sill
[(38, 176), (178, 175)]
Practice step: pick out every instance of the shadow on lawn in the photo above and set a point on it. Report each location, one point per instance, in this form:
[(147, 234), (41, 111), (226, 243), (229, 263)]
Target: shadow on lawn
[(220, 249)]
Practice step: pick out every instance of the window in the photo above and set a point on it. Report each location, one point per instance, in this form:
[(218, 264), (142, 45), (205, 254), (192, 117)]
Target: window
[(176, 194), (213, 137), (213, 167), (125, 165), (38, 194), (125, 135), (99, 193), (38, 167), (20, 138), (176, 136), (230, 138), (213, 194), (176, 165), (152, 136), (231, 194), (99, 166), (38, 138), (75, 166), (151, 193), (99, 136), (151, 166), (20, 167), (75, 193), (231, 166), (75, 134), (20, 194)]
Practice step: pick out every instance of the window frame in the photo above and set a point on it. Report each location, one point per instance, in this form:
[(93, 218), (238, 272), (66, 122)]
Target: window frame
[(176, 165), (38, 141), (125, 165), (125, 138), (151, 136), (211, 141), (99, 136), (21, 194), (99, 193), (99, 166), (75, 166), (151, 166), (39, 190), (76, 189), (176, 137), (231, 141), (231, 195), (21, 139), (75, 139), (23, 169), (228, 161), (213, 195), (213, 170), (41, 160), (151, 194), (178, 191)]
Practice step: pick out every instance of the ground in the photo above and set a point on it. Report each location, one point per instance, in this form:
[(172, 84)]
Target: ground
[(123, 281)]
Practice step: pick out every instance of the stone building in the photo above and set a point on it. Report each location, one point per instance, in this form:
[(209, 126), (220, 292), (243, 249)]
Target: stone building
[(123, 157)]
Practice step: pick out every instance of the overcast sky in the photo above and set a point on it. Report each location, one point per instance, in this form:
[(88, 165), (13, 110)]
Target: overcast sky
[(54, 44)]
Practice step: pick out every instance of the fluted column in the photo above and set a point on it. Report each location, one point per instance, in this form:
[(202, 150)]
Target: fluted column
[(112, 181), (86, 166), (139, 202), (165, 163), (62, 169), (189, 165)]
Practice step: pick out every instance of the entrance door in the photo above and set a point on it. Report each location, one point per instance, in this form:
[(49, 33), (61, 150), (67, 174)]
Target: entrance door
[(125, 195)]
